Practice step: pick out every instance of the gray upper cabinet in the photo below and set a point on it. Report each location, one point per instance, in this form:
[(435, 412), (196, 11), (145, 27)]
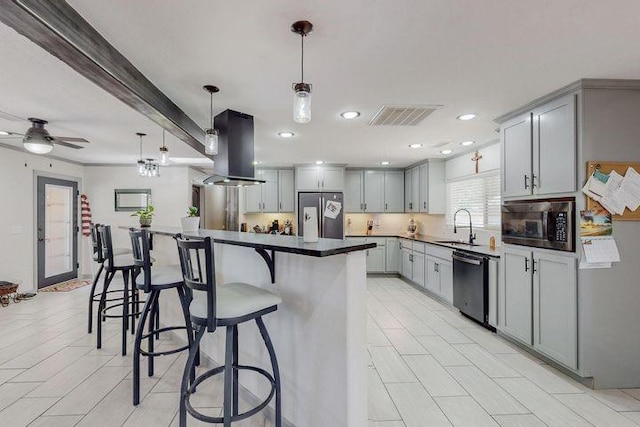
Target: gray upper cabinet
[(516, 139), (516, 294), (555, 307), (374, 191), (320, 178), (393, 191), (408, 205), (286, 191), (539, 150), (353, 191), (554, 146), (424, 187), (412, 189), (275, 195), (437, 191)]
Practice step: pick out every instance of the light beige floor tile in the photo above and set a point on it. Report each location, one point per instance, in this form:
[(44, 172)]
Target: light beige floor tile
[(433, 376), (528, 420), (171, 379), (633, 392), (617, 400), (375, 336), (390, 366), (10, 392), (384, 319), (594, 411), (59, 421), (67, 379), (546, 379), (380, 405), (443, 352), (117, 406), (416, 406), (549, 410), (54, 364), (490, 341), (485, 391), (463, 411), (487, 362), (385, 424), (633, 416), (91, 391), (455, 319), (449, 333), (24, 411), (8, 374), (409, 320), (157, 409), (404, 342)]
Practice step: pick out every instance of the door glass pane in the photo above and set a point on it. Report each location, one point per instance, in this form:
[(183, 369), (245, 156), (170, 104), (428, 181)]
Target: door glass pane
[(58, 247)]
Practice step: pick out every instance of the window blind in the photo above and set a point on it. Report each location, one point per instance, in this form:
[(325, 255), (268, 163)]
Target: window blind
[(480, 195)]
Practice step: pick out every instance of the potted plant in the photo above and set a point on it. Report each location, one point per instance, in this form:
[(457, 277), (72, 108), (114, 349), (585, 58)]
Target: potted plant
[(192, 221), (145, 215)]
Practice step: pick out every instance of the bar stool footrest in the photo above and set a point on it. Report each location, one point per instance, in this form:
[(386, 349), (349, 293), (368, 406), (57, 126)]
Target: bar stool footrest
[(219, 420), (167, 352), (119, 316)]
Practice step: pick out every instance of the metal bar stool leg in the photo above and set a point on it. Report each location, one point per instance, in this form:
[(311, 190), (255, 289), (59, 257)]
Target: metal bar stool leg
[(136, 351), (105, 287), (125, 311), (228, 376), (276, 371), (92, 295), (153, 325), (188, 367), (236, 402), (184, 303)]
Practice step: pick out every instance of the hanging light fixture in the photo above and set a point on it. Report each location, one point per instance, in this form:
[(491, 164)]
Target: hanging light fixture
[(302, 90), (146, 167), (164, 152), (211, 134)]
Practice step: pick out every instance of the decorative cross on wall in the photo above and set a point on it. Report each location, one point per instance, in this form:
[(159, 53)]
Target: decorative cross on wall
[(476, 158)]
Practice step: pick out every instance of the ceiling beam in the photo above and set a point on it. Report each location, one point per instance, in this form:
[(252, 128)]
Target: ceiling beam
[(57, 28)]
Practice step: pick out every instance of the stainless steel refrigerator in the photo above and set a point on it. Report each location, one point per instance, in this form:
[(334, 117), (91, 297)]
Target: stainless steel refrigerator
[(328, 228)]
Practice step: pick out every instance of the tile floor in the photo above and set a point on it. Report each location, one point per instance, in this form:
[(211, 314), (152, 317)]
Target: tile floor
[(428, 366)]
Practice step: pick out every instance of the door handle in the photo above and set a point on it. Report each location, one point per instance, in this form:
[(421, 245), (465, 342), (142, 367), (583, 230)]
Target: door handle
[(365, 206), (323, 183), (318, 183), (526, 264), (425, 205), (410, 205), (280, 205), (386, 207), (436, 267), (526, 181), (535, 270), (533, 181)]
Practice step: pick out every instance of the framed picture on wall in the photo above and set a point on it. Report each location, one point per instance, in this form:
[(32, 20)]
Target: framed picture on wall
[(131, 199)]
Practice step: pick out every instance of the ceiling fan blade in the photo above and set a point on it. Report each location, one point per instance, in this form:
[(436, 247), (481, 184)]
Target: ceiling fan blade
[(69, 139), (66, 144), (9, 116), (12, 136)]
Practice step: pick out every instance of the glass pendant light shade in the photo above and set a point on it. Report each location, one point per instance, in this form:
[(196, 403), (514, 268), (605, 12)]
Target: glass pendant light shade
[(302, 103), (211, 142), (38, 147), (141, 168), (164, 157)]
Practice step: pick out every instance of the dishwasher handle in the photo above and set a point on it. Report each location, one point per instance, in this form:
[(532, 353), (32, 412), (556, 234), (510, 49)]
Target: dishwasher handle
[(466, 260)]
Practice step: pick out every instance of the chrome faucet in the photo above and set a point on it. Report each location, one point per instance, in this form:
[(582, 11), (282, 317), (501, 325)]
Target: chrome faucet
[(472, 236)]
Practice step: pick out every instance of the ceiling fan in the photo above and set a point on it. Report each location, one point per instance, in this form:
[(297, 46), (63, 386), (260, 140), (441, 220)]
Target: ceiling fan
[(38, 140)]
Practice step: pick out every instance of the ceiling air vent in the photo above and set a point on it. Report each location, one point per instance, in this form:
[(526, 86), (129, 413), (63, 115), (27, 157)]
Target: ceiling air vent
[(402, 115)]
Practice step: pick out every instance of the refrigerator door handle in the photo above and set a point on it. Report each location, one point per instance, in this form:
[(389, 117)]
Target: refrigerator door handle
[(320, 223)]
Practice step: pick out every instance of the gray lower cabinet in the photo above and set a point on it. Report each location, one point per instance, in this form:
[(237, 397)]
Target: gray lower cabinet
[(417, 273), (538, 302), (393, 254), (446, 281), (407, 265), (439, 277), (433, 276), (376, 260)]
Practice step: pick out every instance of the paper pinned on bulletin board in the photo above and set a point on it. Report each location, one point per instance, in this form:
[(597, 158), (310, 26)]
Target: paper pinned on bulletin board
[(613, 191)]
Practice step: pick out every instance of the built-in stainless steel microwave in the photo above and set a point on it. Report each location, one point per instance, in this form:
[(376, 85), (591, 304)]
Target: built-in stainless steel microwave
[(540, 223)]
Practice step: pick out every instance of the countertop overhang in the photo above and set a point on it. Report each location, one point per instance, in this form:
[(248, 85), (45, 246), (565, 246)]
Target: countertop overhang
[(270, 242)]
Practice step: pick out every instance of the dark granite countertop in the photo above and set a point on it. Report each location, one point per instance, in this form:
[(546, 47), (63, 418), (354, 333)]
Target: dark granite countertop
[(432, 240), (271, 242)]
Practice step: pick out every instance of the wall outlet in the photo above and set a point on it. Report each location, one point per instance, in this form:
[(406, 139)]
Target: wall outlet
[(16, 229)]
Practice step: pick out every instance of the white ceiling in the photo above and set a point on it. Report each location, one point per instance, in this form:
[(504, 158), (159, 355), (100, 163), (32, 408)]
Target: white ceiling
[(487, 57)]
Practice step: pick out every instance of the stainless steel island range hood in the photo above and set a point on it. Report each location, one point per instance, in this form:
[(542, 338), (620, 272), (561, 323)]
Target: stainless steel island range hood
[(233, 165)]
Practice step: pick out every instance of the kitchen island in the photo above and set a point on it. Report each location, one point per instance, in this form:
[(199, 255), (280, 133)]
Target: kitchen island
[(319, 330)]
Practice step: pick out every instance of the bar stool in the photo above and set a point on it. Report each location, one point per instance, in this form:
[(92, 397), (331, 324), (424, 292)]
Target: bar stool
[(99, 258), (114, 264), (154, 280), (227, 305)]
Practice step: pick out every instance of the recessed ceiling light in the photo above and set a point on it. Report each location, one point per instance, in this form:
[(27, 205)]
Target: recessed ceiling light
[(286, 134), (349, 115), (226, 180), (467, 143), (319, 162), (4, 133), (468, 116), (385, 163), (446, 151), (416, 145), (256, 162)]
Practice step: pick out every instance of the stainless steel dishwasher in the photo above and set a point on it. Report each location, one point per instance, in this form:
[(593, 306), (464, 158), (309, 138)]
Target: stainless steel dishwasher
[(471, 286)]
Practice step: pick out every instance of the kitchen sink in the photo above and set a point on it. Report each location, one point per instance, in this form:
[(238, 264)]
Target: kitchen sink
[(455, 242)]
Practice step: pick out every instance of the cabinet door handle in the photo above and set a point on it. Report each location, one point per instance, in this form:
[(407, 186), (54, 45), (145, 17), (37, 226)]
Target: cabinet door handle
[(280, 205), (323, 183), (425, 205), (436, 267), (410, 205), (526, 264), (535, 270), (367, 252), (365, 206), (533, 181), (411, 257), (318, 183), (526, 181), (386, 207)]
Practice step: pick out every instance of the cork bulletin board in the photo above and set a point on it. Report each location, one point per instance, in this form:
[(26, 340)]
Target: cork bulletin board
[(606, 167)]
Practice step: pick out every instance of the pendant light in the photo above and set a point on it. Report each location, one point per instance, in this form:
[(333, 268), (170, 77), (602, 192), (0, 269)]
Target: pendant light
[(146, 167), (211, 134), (164, 152), (302, 90)]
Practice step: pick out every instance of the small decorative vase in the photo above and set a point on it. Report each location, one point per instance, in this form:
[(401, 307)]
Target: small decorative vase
[(190, 223), (145, 222)]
